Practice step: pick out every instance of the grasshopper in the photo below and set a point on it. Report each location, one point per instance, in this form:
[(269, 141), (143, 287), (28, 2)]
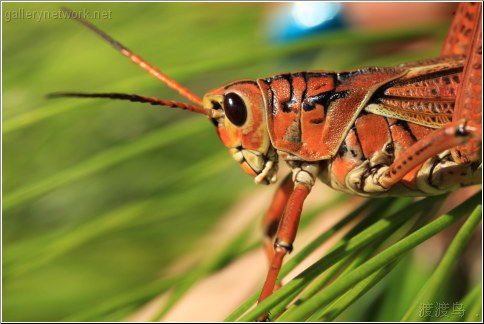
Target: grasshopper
[(413, 129)]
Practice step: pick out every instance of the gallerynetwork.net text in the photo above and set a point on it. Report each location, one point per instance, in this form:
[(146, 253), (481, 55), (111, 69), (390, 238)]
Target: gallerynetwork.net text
[(42, 15)]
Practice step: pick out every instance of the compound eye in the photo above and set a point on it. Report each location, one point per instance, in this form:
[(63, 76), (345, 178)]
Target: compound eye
[(235, 109)]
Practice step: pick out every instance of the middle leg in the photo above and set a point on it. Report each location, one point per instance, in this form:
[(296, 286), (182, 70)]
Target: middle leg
[(304, 178)]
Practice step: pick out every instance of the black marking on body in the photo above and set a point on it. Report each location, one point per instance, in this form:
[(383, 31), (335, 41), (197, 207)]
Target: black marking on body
[(434, 109), (368, 172), (305, 74), (343, 148), (276, 77), (406, 128), (341, 77), (216, 106), (288, 105), (308, 103), (274, 101), (429, 76), (308, 106), (325, 99), (328, 98), (353, 128), (304, 93)]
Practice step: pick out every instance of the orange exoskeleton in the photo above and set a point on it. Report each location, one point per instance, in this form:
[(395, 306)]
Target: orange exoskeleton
[(412, 129)]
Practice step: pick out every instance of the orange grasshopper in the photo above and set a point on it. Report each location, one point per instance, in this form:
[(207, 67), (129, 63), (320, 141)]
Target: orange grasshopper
[(412, 129)]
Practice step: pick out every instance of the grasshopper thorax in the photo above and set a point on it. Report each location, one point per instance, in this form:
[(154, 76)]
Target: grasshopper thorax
[(237, 110)]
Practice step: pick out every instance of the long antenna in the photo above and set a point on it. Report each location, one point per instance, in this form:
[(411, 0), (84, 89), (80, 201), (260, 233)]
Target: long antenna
[(137, 59), (132, 97)]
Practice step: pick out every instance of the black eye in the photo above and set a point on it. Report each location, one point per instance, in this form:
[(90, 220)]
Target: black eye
[(235, 109)]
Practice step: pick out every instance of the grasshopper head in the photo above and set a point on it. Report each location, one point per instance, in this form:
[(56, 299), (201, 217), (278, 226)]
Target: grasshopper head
[(237, 110)]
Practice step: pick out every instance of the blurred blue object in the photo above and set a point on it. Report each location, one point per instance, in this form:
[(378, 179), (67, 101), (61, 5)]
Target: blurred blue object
[(300, 19)]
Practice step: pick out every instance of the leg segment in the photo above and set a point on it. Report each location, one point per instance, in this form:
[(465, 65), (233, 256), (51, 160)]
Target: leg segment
[(273, 216), (465, 38), (468, 103), (442, 139), (286, 232), (459, 37)]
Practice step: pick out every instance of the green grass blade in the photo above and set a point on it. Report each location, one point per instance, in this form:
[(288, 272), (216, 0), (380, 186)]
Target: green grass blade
[(18, 263), (149, 142), (137, 296), (330, 313), (473, 305), (227, 253), (299, 257), (339, 251), (343, 284), (336, 308), (428, 293)]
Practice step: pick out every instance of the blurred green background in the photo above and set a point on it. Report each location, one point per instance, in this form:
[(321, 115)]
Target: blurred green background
[(101, 197)]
